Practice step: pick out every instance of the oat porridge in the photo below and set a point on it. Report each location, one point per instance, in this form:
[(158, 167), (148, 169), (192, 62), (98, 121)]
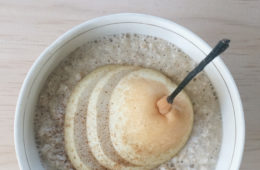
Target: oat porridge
[(202, 149)]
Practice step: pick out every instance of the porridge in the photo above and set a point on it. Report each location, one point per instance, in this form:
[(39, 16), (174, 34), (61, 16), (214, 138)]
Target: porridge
[(202, 148)]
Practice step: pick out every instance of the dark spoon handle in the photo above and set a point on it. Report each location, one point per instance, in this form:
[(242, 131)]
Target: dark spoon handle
[(218, 49)]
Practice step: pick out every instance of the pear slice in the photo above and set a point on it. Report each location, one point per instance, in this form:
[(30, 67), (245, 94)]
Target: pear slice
[(76, 143), (139, 133), (98, 121)]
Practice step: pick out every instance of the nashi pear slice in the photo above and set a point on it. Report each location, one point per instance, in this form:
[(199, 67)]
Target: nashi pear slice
[(139, 133), (75, 132), (97, 121)]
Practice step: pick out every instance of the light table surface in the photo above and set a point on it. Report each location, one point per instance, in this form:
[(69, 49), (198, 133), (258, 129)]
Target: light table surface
[(28, 27)]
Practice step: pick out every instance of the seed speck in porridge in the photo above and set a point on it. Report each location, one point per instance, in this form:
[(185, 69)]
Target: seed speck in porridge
[(128, 55)]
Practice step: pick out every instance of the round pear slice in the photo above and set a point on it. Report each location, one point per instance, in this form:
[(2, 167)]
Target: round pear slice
[(139, 133), (98, 121), (76, 143)]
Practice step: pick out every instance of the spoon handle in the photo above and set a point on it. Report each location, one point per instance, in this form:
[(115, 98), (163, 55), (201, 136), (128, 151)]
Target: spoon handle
[(218, 49)]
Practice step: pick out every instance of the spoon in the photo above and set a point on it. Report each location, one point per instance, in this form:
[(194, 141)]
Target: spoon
[(164, 104)]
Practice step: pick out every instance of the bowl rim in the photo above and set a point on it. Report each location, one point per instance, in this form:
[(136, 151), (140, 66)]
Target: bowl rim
[(77, 29)]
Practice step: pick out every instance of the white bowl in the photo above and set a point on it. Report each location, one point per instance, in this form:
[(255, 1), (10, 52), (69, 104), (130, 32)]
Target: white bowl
[(231, 107)]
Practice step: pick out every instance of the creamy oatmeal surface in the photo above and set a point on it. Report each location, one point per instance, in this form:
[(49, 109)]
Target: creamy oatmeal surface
[(201, 150)]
